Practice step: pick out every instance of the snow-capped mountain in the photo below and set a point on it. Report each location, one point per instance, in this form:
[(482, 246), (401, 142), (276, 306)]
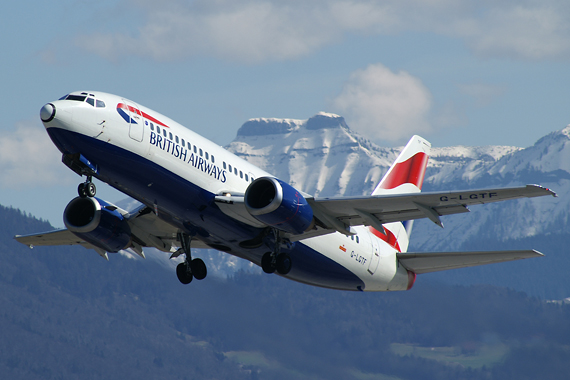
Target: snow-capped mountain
[(321, 155), (324, 157)]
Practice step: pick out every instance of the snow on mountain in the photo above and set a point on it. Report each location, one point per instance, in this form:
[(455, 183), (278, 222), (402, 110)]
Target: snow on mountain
[(323, 157)]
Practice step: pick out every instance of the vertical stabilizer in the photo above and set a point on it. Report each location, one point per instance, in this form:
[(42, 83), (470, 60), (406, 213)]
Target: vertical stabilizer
[(406, 175)]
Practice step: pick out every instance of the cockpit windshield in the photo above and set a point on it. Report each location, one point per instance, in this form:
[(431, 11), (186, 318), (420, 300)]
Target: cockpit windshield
[(84, 97)]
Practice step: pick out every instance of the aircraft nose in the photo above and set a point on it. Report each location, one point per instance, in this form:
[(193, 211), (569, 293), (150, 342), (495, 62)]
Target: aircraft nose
[(47, 113)]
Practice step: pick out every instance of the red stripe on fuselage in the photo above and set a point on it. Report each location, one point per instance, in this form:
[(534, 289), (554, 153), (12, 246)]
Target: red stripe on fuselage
[(390, 238), (143, 114), (411, 171)]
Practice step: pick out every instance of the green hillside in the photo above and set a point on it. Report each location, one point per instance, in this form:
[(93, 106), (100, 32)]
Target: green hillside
[(67, 314)]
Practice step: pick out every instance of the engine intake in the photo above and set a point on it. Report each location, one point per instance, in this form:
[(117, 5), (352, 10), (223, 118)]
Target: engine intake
[(98, 223), (278, 204)]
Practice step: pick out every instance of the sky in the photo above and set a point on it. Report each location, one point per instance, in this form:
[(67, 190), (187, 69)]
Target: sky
[(457, 72)]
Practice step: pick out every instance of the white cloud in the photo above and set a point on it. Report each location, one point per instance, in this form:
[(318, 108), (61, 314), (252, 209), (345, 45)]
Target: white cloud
[(381, 104), (29, 158), (254, 31)]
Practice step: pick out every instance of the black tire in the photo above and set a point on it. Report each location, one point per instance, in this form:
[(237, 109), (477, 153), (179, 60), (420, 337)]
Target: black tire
[(266, 264), (81, 190), (199, 269), (183, 274), (283, 263), (90, 189)]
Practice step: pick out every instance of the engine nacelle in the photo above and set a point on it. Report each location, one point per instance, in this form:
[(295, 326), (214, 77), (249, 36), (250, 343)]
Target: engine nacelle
[(97, 222), (276, 203)]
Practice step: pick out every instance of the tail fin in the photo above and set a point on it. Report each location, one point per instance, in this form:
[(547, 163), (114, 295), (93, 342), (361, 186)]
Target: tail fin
[(406, 175)]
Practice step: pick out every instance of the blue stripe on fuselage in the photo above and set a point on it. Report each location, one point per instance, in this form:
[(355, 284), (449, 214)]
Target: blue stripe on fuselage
[(189, 207)]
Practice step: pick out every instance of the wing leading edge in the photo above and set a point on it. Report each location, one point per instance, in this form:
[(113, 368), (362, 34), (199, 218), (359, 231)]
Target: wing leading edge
[(437, 261)]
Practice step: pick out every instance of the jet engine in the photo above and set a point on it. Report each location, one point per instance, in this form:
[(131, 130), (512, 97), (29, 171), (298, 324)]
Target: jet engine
[(277, 204), (98, 223)]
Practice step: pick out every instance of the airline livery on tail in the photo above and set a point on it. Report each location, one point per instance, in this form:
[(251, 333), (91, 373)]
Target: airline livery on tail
[(197, 194)]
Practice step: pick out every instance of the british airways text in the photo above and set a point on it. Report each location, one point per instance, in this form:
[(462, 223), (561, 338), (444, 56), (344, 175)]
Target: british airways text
[(180, 152)]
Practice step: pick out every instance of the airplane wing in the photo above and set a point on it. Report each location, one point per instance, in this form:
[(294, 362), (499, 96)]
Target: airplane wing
[(400, 207), (55, 237), (437, 261), (338, 214), (147, 230)]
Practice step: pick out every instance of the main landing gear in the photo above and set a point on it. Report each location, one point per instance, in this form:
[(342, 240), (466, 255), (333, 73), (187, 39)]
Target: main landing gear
[(276, 260), (87, 188), (188, 269)]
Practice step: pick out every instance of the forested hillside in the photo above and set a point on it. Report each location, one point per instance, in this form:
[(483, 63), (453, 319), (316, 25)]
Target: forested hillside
[(66, 313)]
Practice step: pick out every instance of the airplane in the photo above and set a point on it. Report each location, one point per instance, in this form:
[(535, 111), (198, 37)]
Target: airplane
[(196, 194)]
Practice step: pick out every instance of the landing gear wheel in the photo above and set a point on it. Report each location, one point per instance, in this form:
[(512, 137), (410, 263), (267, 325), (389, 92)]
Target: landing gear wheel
[(86, 189), (283, 263), (90, 189), (199, 269), (81, 190), (267, 263), (183, 273)]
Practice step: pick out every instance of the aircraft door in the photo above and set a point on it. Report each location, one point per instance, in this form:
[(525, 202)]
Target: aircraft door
[(375, 260), (136, 126)]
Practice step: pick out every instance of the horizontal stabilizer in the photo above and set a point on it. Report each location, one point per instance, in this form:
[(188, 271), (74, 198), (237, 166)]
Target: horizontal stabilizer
[(438, 261)]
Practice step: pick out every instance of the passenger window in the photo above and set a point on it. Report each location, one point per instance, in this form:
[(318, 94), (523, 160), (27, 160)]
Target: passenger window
[(235, 171), (176, 139), (100, 103), (183, 143), (170, 134), (224, 165), (247, 179), (164, 132), (200, 152), (207, 157), (91, 101), (240, 174), (151, 126), (195, 151), (352, 237), (230, 168), (214, 161), (357, 240), (158, 129)]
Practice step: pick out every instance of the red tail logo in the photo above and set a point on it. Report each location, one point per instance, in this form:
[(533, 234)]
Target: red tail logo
[(411, 171)]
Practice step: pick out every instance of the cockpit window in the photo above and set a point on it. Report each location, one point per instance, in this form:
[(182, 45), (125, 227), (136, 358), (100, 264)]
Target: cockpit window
[(91, 101), (100, 103), (78, 98), (63, 97)]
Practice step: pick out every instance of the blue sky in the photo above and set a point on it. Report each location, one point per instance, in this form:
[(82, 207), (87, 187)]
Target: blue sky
[(456, 72)]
